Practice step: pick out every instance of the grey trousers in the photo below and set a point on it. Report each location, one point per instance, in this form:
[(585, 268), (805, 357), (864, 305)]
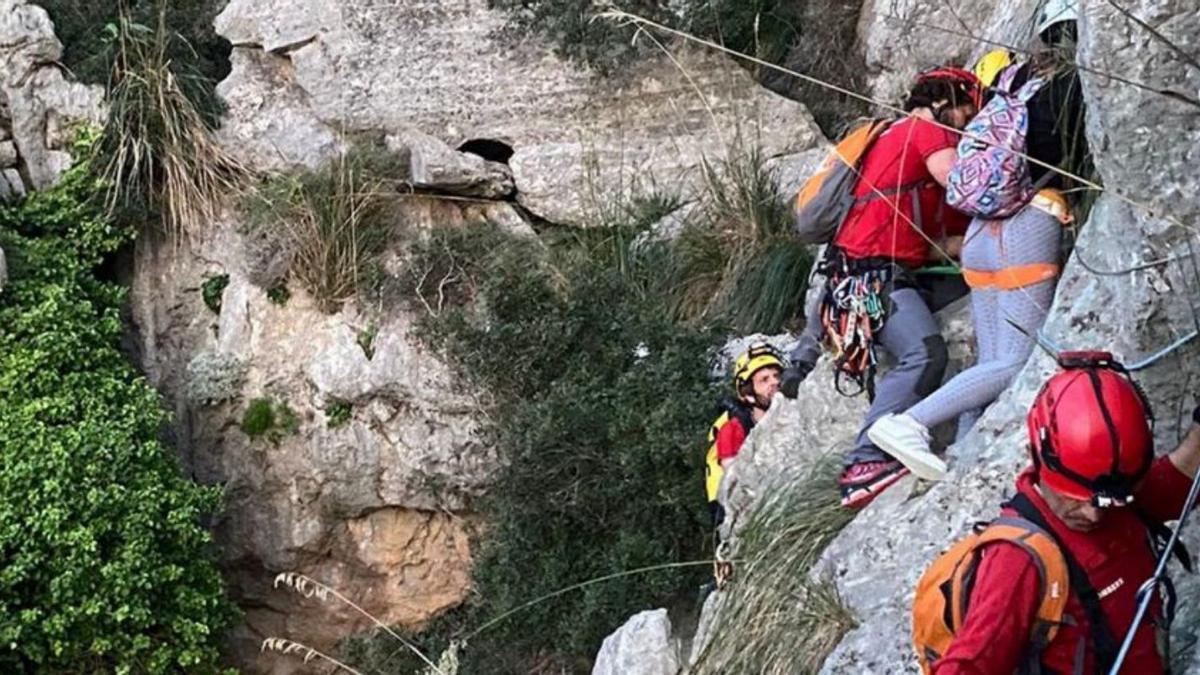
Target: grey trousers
[(911, 336)]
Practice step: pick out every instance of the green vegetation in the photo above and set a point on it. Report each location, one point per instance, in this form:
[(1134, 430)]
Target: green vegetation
[(737, 260), (199, 58), (106, 565), (336, 220), (594, 346), (366, 340), (776, 618), (338, 414), (211, 291), (601, 402), (157, 152), (279, 295), (273, 420)]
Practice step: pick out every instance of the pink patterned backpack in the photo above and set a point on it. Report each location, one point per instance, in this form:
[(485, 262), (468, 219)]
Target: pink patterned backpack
[(989, 179)]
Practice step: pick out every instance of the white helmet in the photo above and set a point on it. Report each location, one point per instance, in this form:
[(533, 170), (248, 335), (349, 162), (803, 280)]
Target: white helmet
[(1057, 11)]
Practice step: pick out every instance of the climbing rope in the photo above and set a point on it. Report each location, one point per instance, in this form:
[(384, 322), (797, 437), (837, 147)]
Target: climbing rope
[(643, 25)]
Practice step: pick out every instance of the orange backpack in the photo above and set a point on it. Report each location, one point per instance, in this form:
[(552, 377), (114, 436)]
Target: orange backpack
[(826, 198), (945, 589)]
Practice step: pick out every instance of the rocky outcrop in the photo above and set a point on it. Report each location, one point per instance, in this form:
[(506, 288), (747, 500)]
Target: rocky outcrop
[(365, 480), (643, 646), (898, 39), (39, 106), (306, 73), (818, 423)]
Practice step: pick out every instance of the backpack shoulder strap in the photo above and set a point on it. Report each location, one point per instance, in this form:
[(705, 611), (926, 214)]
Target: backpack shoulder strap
[(743, 415), (716, 425), (1103, 641), (1007, 76), (1053, 573)]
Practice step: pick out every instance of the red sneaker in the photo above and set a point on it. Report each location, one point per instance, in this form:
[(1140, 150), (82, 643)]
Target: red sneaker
[(860, 483)]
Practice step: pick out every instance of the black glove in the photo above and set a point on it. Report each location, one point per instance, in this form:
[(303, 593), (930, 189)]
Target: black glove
[(789, 384)]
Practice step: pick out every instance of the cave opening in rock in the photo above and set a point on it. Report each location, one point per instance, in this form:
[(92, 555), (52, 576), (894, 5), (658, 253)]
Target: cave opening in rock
[(489, 149)]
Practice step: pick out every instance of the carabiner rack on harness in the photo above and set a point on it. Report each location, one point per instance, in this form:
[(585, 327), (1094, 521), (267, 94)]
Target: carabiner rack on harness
[(853, 311)]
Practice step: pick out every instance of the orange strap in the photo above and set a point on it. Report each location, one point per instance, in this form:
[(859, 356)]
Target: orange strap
[(1010, 278), (1053, 202)]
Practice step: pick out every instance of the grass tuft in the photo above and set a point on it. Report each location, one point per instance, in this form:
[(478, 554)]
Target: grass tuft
[(157, 154), (775, 617), (334, 221), (736, 260)]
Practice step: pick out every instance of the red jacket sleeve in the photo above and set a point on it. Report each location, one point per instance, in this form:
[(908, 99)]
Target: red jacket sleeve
[(730, 439), (929, 138), (1162, 493), (996, 630)]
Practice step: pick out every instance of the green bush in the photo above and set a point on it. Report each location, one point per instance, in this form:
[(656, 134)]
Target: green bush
[(366, 340), (106, 567), (601, 406), (157, 153), (335, 220), (279, 295), (338, 414), (211, 291), (273, 420), (736, 259)]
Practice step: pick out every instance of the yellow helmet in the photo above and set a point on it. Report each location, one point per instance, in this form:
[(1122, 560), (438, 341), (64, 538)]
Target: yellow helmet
[(760, 355), (989, 66)]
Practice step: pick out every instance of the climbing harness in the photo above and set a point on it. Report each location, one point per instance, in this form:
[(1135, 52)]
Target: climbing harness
[(853, 311)]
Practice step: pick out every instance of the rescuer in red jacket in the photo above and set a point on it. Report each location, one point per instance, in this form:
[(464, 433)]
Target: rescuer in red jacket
[(1097, 485)]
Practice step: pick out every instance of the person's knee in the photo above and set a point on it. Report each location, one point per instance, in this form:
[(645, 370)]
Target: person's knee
[(932, 361)]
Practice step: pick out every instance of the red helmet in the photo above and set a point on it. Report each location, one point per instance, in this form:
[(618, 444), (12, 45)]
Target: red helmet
[(959, 76), (1089, 430)]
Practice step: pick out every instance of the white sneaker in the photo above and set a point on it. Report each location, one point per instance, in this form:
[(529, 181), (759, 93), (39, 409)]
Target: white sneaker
[(907, 440)]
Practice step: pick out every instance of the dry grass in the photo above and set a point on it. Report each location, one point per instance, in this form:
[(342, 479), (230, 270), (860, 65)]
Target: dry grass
[(736, 259), (775, 617), (333, 222), (311, 588), (156, 152)]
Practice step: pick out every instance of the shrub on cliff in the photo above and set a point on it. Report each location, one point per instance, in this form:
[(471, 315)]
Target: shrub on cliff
[(104, 563), (600, 403)]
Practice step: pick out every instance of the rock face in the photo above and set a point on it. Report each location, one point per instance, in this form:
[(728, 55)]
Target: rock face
[(370, 491), (898, 39), (38, 105), (304, 71), (643, 646)]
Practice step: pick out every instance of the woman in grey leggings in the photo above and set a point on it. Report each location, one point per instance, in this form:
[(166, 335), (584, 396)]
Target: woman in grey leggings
[(1012, 268)]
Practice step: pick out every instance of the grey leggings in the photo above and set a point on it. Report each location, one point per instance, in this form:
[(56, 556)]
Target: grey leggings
[(1031, 236)]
